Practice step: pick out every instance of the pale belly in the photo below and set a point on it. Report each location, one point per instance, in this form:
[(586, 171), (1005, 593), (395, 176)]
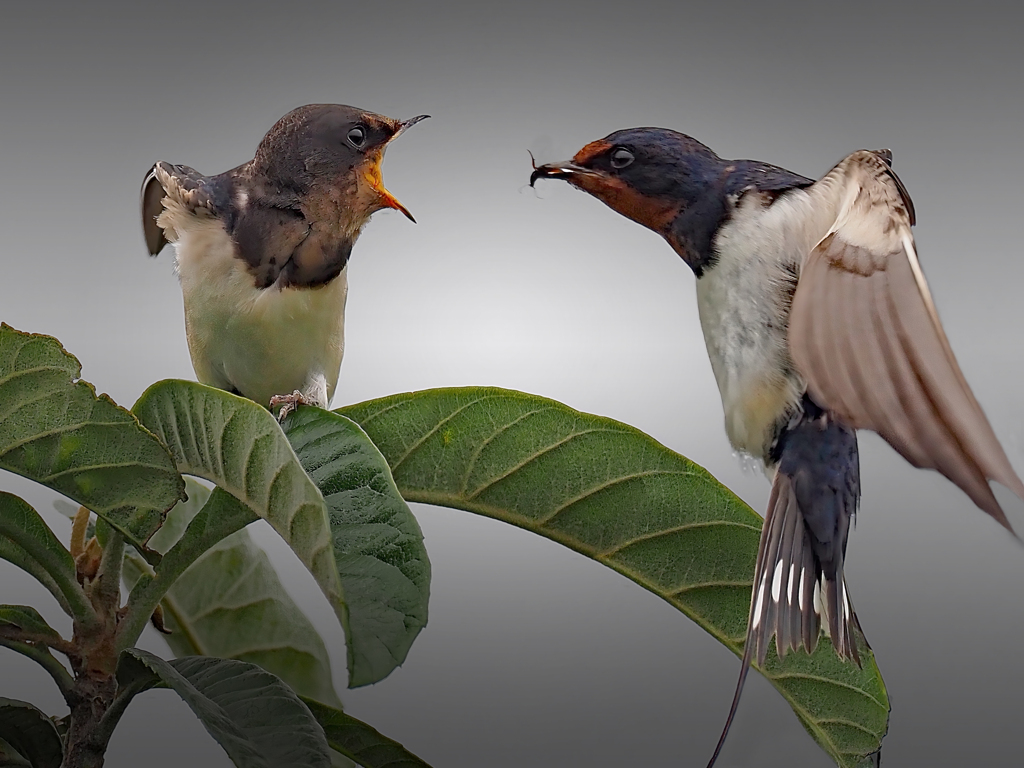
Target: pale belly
[(743, 313), (261, 342)]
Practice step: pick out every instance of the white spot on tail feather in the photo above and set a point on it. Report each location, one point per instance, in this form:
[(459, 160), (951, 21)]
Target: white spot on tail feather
[(792, 581), (777, 582), (803, 577), (817, 597), (758, 605)]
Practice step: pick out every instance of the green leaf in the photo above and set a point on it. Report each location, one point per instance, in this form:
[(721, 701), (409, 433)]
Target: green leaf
[(28, 542), (31, 733), (254, 716), (239, 445), (378, 545), (30, 625), (231, 604), (616, 495), (55, 430), (361, 742)]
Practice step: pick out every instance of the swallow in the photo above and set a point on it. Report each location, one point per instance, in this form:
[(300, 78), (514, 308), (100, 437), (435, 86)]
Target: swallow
[(818, 322), (262, 250)]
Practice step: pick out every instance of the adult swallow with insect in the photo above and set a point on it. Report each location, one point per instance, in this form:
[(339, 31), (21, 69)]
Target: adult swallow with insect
[(818, 322)]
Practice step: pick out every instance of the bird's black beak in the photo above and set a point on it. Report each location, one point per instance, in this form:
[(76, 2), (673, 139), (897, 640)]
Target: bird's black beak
[(406, 124), (565, 171)]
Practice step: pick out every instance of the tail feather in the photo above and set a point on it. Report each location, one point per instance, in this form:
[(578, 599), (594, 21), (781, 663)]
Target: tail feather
[(799, 587), (810, 618)]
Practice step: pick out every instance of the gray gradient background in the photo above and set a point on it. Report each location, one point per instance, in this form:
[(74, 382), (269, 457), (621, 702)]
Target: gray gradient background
[(535, 655)]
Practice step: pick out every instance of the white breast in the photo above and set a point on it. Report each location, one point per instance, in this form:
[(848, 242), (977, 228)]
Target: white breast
[(744, 300), (262, 342)]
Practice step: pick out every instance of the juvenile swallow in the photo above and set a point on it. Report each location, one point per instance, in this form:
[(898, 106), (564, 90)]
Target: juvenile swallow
[(262, 250), (818, 322)]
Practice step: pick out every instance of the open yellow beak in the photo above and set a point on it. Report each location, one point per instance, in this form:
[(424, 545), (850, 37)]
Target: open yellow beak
[(375, 178), (387, 200)]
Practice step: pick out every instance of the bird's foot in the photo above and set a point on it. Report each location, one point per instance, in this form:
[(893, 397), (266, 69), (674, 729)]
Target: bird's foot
[(288, 403)]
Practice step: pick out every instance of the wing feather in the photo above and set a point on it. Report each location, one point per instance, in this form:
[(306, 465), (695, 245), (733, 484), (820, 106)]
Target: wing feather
[(180, 184), (152, 206), (865, 335)]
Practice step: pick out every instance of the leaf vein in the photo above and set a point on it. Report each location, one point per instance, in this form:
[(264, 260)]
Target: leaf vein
[(484, 443), (604, 486), (436, 427), (675, 529), (704, 585), (28, 371), (828, 681), (533, 457), (108, 465), (57, 431)]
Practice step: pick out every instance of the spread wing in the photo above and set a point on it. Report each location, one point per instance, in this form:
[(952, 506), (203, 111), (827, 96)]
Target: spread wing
[(185, 186), (865, 335)]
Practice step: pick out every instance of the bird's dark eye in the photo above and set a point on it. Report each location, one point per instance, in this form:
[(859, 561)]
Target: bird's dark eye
[(357, 136), (621, 157)]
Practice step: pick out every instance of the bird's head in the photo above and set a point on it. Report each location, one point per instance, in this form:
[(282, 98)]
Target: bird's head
[(649, 175), (333, 147)]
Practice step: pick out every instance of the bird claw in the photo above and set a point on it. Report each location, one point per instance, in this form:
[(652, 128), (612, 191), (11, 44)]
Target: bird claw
[(288, 403)]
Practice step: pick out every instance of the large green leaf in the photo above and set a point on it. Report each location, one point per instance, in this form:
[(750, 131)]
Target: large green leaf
[(256, 718), (239, 445), (361, 742), (616, 495), (31, 733), (55, 430), (28, 542), (230, 603), (378, 545)]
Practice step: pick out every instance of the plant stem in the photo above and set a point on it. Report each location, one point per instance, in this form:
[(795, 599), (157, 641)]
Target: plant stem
[(86, 738), (106, 591), (142, 601), (95, 688), (125, 694)]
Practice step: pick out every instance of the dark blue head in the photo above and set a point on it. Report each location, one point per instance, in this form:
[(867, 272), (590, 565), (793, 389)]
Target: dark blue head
[(654, 176), (641, 172)]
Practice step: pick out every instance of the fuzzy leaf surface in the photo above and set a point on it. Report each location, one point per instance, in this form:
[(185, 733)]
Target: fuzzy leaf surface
[(240, 447), (253, 715), (616, 495), (56, 430), (378, 545)]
